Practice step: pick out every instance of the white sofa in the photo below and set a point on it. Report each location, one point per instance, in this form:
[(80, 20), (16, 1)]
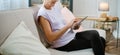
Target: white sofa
[(10, 19)]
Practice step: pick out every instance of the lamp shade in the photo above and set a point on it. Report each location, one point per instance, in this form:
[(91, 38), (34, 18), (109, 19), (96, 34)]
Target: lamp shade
[(103, 6)]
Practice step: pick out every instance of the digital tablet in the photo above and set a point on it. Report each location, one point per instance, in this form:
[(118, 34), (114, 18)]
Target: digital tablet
[(82, 20)]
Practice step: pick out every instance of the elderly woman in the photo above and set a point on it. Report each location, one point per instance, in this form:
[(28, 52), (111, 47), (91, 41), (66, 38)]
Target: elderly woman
[(60, 35)]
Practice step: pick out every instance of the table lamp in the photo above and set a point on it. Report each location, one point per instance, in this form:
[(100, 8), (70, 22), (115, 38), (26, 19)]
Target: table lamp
[(104, 7)]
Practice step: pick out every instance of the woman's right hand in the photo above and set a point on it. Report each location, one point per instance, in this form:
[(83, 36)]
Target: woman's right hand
[(71, 23)]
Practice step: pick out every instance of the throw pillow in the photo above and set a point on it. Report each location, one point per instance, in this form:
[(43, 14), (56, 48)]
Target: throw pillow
[(22, 42)]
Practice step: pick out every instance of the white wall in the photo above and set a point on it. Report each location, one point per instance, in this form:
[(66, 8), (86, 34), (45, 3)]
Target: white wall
[(90, 7), (113, 7), (118, 9), (85, 7)]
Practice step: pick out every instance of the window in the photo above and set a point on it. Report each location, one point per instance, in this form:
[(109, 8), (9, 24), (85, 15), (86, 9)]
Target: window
[(13, 4)]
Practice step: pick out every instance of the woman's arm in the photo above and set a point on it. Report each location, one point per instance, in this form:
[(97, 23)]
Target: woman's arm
[(52, 36)]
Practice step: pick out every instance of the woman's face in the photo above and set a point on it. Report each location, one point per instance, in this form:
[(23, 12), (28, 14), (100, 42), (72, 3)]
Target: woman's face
[(51, 3)]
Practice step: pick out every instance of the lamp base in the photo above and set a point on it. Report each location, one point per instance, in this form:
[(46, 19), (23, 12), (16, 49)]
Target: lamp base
[(103, 15)]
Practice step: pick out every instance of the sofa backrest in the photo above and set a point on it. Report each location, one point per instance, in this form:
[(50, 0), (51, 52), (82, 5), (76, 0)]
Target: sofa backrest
[(40, 31), (10, 19)]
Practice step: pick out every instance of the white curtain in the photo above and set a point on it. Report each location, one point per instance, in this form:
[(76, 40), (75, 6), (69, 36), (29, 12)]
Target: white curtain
[(13, 4), (4, 4)]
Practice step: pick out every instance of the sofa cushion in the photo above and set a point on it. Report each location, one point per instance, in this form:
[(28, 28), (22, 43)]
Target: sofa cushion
[(11, 18), (78, 52), (22, 42)]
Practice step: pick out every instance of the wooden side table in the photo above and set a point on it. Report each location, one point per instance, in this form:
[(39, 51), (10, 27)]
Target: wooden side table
[(109, 26)]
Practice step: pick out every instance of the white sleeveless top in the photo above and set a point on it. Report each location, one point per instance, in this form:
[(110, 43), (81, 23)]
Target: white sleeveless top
[(57, 22)]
